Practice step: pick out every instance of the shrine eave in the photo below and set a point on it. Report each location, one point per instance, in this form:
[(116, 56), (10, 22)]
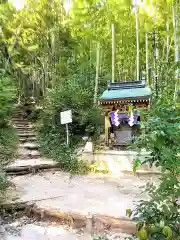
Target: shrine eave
[(122, 95), (122, 101)]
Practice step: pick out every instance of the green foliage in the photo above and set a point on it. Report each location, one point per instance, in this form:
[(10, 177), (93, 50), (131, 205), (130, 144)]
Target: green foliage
[(8, 137), (75, 95), (161, 136), (4, 183), (7, 95), (155, 232), (8, 144), (68, 42)]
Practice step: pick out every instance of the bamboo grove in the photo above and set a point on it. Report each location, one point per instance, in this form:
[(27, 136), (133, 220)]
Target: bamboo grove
[(44, 43)]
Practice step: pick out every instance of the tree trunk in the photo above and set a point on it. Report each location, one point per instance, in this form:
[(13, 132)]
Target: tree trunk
[(113, 52), (97, 72)]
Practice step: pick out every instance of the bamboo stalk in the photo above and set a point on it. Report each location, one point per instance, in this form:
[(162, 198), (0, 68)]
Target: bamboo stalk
[(113, 52), (167, 40), (97, 72), (137, 43), (176, 47), (147, 61)]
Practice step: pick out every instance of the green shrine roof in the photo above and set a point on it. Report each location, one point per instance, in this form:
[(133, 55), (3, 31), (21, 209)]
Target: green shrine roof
[(126, 90)]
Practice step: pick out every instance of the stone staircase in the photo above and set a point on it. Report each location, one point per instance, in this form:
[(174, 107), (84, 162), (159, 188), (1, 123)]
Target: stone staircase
[(28, 148), (28, 156)]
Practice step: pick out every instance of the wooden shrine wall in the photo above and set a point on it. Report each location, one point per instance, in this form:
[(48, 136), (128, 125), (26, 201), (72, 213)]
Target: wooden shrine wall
[(124, 108)]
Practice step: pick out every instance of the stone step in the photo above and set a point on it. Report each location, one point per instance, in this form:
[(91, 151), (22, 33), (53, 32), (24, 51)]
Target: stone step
[(28, 127), (19, 119), (18, 116), (22, 124), (25, 130), (23, 127), (26, 154), (29, 145), (18, 112), (29, 139), (26, 134), (30, 156)]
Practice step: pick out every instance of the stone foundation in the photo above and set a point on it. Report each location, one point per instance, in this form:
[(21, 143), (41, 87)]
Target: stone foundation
[(116, 160)]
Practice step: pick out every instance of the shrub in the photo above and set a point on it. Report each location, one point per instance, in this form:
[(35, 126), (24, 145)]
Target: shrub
[(159, 217), (7, 95), (87, 119)]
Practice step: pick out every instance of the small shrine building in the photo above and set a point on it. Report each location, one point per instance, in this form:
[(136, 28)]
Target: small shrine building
[(120, 103)]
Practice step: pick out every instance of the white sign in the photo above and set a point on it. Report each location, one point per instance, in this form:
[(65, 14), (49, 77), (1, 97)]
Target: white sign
[(66, 117)]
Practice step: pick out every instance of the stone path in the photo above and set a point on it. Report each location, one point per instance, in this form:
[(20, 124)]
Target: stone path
[(81, 194), (49, 232), (36, 232)]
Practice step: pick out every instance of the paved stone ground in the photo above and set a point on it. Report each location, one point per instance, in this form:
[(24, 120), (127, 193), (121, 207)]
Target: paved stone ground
[(36, 232), (22, 229), (82, 194)]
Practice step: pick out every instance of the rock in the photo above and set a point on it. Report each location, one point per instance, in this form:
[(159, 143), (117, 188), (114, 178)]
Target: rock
[(10, 237), (88, 147), (54, 233), (33, 232)]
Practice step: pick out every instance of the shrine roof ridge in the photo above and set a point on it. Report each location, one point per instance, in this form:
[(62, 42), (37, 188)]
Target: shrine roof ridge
[(126, 84), (126, 90)]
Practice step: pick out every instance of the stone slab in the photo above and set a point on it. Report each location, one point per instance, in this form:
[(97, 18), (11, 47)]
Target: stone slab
[(35, 232), (30, 162)]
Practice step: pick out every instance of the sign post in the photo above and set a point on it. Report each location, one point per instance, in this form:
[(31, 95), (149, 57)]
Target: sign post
[(67, 134), (66, 117)]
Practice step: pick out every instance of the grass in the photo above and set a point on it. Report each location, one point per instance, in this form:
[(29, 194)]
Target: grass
[(8, 146)]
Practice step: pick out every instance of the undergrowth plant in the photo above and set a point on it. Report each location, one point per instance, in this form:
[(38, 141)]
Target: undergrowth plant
[(8, 136), (8, 144), (159, 217)]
